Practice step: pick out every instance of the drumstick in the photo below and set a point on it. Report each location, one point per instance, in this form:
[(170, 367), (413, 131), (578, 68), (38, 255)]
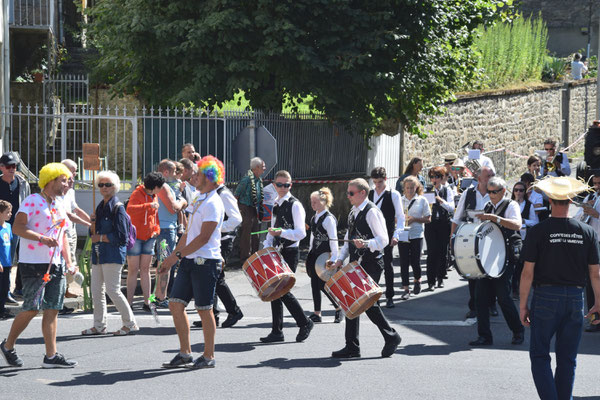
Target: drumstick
[(265, 231)]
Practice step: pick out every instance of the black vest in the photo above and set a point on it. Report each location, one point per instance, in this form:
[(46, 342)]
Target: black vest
[(526, 209), (439, 213), (320, 242), (284, 219), (358, 228), (513, 237), (387, 209)]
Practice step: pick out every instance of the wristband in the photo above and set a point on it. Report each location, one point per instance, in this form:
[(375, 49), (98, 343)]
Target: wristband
[(40, 238)]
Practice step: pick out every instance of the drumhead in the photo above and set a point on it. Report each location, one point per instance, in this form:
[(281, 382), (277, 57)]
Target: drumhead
[(490, 249)]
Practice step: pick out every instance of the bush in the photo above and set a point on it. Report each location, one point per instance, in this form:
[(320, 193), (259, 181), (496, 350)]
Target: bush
[(512, 53), (554, 69)]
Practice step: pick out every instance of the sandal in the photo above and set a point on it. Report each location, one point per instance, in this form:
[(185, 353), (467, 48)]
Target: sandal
[(124, 331), (93, 332)]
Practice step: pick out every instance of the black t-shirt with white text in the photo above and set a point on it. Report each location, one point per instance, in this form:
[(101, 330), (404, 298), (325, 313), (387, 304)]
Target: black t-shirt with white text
[(562, 249)]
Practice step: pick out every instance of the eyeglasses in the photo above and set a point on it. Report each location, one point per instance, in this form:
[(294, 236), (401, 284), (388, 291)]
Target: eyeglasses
[(495, 191), (518, 190), (455, 168), (350, 193), (11, 166), (107, 184), (283, 185)]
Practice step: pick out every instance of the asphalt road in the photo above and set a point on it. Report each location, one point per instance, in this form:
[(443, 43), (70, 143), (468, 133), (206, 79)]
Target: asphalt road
[(434, 360)]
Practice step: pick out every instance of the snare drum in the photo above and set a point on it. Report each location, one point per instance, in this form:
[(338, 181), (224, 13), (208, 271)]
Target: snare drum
[(479, 250), (353, 290), (269, 274)]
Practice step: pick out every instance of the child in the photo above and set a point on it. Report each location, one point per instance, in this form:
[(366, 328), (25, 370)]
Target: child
[(5, 261)]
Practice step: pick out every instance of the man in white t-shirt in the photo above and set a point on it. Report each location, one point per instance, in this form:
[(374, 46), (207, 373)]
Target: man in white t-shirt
[(199, 252), (40, 223), (578, 68), (484, 161)]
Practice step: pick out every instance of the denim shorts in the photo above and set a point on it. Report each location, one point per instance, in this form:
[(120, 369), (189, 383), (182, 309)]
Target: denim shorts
[(142, 247), (53, 293), (197, 282)]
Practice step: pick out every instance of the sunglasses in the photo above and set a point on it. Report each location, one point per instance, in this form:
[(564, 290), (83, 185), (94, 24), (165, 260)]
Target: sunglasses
[(108, 184), (518, 190), (456, 168), (283, 185), (12, 166), (350, 193), (495, 191), (548, 148), (437, 176)]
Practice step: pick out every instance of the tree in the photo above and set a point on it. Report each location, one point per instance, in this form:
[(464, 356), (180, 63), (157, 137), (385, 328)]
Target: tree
[(360, 62)]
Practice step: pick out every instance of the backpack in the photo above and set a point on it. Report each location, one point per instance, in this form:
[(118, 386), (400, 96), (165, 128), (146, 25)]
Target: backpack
[(132, 232)]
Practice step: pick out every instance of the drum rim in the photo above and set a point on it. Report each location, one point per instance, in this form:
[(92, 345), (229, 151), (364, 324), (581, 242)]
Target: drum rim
[(478, 260), (475, 248)]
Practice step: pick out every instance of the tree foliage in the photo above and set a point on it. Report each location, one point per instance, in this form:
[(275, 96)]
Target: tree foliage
[(360, 62)]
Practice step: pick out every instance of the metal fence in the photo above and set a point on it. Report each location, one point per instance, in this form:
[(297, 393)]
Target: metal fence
[(31, 14), (66, 89), (132, 142)]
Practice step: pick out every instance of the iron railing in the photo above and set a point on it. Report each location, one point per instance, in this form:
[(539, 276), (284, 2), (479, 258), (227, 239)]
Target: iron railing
[(32, 14)]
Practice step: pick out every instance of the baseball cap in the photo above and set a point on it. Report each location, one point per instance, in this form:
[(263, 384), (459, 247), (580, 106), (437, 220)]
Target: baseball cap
[(9, 158)]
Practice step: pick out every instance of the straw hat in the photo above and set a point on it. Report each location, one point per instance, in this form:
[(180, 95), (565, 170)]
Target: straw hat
[(458, 163), (450, 157), (562, 187)]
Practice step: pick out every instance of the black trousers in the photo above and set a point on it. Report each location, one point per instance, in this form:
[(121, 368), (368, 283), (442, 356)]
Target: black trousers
[(222, 290), (290, 255), (4, 287), (501, 287), (388, 265), (410, 255), (317, 285), (374, 314), (437, 236)]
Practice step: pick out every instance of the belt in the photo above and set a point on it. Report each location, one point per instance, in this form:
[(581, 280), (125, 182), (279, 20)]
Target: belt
[(549, 285)]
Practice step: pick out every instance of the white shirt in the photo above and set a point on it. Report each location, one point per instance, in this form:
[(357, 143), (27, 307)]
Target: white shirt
[(513, 211), (46, 221), (419, 209), (564, 166), (577, 69), (231, 210), (447, 203), (528, 223), (376, 222), (397, 201), (269, 195), (481, 201), (536, 198), (593, 222), (69, 204), (206, 207), (484, 161), (298, 215), (330, 226)]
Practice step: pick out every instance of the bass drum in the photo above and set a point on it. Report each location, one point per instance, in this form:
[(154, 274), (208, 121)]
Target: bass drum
[(479, 250)]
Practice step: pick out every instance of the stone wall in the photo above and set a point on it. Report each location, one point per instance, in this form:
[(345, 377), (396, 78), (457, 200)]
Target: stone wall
[(517, 120)]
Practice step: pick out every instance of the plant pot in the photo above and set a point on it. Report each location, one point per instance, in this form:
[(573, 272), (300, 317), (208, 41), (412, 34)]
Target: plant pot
[(38, 77)]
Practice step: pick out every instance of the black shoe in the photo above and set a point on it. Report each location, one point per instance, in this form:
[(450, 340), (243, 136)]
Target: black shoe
[(389, 303), (231, 319), (518, 338), (272, 338), (59, 361), (179, 361), (146, 308), (471, 314), (304, 331), (202, 363), (10, 299), (346, 353), (11, 356), (66, 310), (481, 341), (440, 283), (592, 328), (417, 288), (315, 318), (493, 311), (391, 346), (198, 324), (6, 315), (338, 317)]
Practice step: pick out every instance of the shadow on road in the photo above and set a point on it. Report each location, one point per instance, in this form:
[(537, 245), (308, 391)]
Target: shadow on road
[(99, 378), (287, 363)]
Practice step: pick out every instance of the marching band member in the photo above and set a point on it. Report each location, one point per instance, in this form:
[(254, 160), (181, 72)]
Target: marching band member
[(323, 228), (474, 198), (286, 231), (390, 204), (437, 232), (506, 213), (200, 263), (557, 163), (484, 161), (367, 230), (534, 164), (590, 214), (529, 218), (417, 214)]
